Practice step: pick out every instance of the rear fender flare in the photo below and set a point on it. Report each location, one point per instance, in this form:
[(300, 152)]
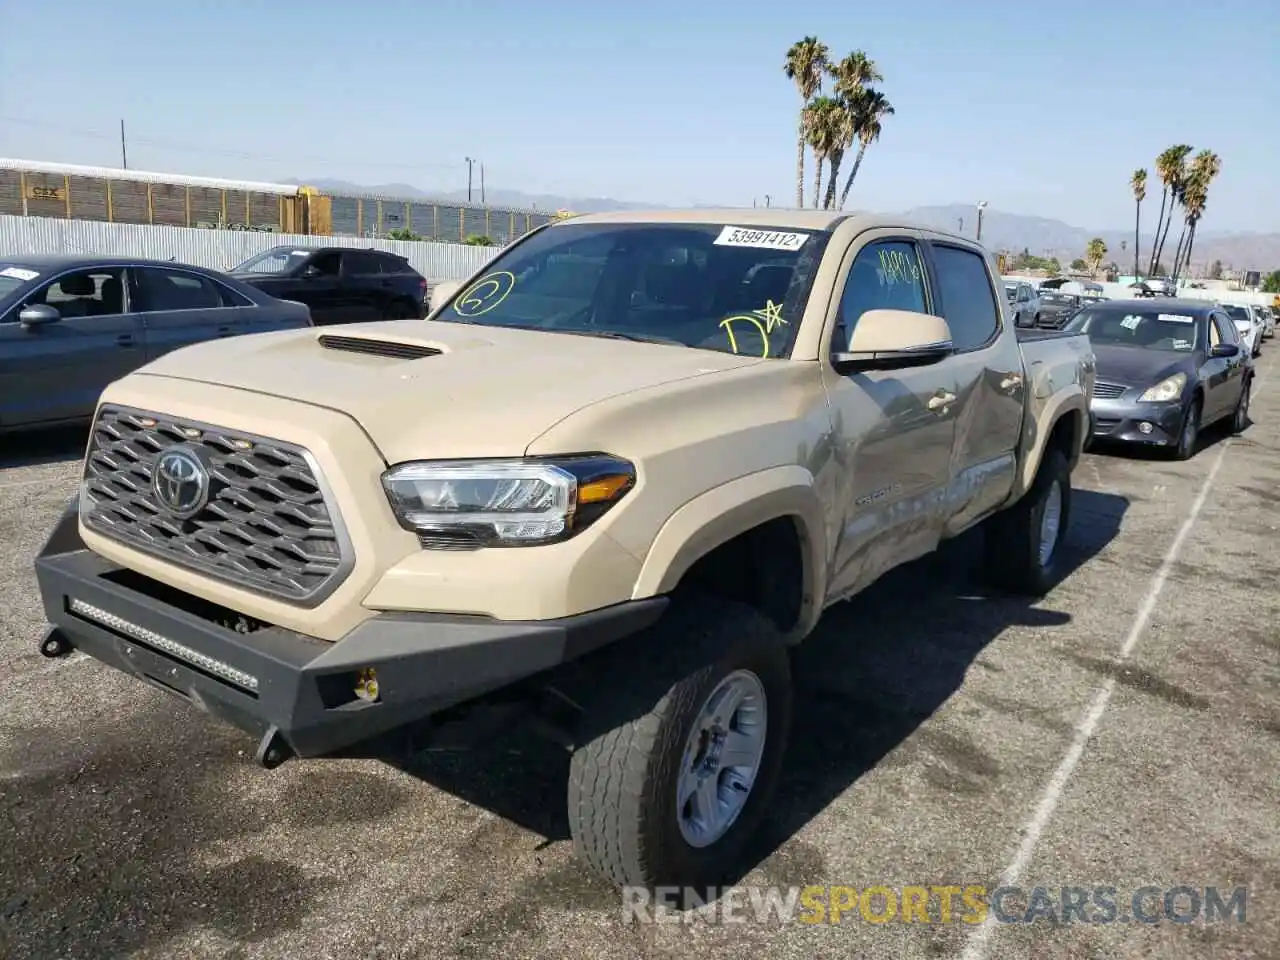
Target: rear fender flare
[(1042, 425)]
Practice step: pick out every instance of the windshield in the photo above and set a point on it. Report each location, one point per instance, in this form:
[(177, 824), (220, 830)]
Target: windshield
[(1011, 292), (275, 260), (1239, 314), (12, 277), (1149, 329), (709, 286)]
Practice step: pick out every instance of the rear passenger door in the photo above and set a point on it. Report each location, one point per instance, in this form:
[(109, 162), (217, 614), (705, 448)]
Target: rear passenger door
[(989, 382), (181, 307), (893, 428), (369, 292), (56, 371)]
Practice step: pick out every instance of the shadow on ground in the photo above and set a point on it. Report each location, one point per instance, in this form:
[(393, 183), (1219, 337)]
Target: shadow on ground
[(875, 669), (125, 840), (61, 445)]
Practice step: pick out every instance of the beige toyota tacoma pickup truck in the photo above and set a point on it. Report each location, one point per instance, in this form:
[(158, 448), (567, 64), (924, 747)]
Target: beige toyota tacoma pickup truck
[(612, 480)]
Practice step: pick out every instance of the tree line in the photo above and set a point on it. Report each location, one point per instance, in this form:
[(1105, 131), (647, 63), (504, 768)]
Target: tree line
[(1185, 182), (830, 124)]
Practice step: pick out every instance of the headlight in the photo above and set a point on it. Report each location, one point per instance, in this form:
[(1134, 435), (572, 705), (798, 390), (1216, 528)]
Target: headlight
[(1166, 390), (504, 503)]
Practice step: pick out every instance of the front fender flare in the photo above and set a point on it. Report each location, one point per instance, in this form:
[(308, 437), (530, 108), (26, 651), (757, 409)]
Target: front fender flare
[(719, 515)]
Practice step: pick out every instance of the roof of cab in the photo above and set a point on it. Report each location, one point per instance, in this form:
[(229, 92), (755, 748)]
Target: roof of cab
[(778, 218)]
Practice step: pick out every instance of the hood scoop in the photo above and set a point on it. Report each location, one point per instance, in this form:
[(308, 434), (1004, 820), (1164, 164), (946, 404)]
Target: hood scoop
[(392, 349)]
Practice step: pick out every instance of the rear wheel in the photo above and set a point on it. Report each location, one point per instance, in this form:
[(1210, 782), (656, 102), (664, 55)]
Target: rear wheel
[(1023, 542), (399, 310)]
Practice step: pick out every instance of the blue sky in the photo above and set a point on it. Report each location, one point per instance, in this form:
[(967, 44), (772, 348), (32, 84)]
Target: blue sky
[(1042, 109)]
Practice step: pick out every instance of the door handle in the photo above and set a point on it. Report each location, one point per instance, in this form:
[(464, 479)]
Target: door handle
[(1011, 382), (126, 340), (941, 401), (224, 331)]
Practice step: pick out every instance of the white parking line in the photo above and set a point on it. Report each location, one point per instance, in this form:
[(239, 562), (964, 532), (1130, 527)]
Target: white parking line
[(976, 947)]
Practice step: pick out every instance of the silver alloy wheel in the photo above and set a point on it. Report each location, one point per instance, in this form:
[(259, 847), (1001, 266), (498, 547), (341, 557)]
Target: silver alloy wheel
[(721, 758), (1050, 522)]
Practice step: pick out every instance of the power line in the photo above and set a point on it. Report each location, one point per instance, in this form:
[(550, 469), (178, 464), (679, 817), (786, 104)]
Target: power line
[(114, 136)]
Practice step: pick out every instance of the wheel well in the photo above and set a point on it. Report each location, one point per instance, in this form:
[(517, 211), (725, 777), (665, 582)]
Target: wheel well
[(762, 567), (1065, 435)]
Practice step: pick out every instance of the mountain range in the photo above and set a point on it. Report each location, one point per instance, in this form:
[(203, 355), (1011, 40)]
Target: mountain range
[(1001, 230)]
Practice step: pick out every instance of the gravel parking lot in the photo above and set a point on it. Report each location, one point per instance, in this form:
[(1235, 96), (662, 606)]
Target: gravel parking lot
[(1125, 732)]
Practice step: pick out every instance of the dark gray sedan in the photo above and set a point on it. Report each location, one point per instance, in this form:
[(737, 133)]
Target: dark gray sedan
[(71, 325), (1165, 369)]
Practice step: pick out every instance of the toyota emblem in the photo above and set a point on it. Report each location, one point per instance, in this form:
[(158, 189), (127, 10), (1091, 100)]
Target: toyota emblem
[(180, 482)]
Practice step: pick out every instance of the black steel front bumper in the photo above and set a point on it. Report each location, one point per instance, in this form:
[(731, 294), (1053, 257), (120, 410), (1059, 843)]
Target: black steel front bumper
[(274, 682)]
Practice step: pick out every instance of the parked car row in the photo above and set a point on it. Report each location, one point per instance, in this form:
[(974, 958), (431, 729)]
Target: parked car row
[(71, 325)]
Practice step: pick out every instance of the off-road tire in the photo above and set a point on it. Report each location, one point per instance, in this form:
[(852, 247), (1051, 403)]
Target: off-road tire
[(1240, 418), (1185, 448), (1013, 535), (622, 778)]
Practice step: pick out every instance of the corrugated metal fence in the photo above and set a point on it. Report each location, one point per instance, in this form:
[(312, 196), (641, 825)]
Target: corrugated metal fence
[(218, 249)]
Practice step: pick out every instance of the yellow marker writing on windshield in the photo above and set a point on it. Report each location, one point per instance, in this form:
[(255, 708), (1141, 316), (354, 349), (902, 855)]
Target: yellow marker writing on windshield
[(728, 323), (485, 294)]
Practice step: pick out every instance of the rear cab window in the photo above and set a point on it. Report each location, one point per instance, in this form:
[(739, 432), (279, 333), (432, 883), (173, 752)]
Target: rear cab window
[(711, 286), (966, 298)]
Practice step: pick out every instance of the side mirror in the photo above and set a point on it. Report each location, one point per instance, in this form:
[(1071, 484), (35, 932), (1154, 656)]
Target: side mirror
[(892, 340), (38, 314), (1224, 350), (443, 292)]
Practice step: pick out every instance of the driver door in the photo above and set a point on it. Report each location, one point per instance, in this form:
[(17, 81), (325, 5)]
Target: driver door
[(894, 430), (56, 371)]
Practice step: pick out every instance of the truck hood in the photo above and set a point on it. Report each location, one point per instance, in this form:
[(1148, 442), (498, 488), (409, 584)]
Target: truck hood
[(487, 392)]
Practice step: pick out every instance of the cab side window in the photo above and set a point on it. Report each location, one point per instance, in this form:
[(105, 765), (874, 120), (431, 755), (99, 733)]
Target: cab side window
[(969, 303), (886, 275)]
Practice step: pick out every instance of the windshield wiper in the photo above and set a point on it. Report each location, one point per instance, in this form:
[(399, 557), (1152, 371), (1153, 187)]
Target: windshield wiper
[(634, 337)]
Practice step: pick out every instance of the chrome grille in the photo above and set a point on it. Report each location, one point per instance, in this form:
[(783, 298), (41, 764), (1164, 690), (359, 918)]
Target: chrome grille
[(267, 525), (1108, 391)]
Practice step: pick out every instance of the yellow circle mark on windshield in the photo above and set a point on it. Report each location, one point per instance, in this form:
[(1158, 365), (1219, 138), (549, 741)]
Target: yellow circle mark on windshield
[(485, 294), (728, 322)]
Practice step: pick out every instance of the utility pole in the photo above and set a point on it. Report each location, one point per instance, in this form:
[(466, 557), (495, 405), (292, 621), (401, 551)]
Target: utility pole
[(960, 221), (982, 204), (767, 200), (470, 161), (124, 155), (482, 184)]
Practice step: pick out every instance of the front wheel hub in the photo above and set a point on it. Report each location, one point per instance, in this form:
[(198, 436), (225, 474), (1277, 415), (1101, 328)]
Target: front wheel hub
[(721, 759)]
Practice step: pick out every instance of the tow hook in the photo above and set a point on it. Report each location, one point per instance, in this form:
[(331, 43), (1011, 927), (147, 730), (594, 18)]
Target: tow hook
[(55, 645), (273, 750)]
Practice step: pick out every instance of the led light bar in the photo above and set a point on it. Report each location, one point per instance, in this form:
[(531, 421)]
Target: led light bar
[(219, 669)]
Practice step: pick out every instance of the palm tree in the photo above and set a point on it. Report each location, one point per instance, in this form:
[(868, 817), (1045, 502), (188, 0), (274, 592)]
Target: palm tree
[(1093, 254), (823, 121), (806, 61), (869, 109), (1171, 166), (1204, 170), (842, 134), (850, 76), (1138, 184)]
